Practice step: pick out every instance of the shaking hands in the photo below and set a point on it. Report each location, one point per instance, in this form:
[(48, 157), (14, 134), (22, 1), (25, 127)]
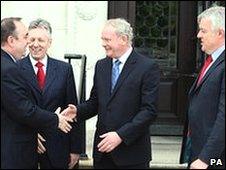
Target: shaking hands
[(66, 116)]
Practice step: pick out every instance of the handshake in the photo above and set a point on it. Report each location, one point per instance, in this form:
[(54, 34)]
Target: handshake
[(67, 115), (64, 117)]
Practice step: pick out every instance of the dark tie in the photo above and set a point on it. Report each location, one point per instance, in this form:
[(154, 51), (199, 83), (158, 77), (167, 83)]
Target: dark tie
[(115, 73), (40, 75), (206, 64)]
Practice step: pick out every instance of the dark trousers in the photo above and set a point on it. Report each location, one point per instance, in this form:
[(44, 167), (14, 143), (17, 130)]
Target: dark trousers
[(45, 163), (106, 162)]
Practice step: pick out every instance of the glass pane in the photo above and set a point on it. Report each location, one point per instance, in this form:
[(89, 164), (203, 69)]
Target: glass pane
[(156, 31)]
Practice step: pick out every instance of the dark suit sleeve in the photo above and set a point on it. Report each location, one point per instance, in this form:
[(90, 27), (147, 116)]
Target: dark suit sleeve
[(215, 144), (16, 101), (89, 108), (147, 112), (75, 141)]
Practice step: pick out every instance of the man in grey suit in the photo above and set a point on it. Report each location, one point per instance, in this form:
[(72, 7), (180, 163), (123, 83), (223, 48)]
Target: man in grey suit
[(124, 97)]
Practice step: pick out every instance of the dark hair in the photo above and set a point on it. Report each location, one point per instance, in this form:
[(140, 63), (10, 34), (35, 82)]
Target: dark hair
[(8, 28)]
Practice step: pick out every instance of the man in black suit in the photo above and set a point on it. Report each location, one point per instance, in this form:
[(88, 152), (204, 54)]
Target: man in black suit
[(61, 151), (206, 112), (20, 117), (124, 97)]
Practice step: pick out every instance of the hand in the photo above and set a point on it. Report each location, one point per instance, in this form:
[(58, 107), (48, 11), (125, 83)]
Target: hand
[(41, 149), (109, 142), (70, 111), (63, 123), (58, 110), (63, 120), (74, 158), (198, 164)]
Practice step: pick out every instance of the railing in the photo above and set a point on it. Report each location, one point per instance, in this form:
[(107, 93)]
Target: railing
[(81, 96)]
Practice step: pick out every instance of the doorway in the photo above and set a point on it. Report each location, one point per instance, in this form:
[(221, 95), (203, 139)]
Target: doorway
[(166, 32)]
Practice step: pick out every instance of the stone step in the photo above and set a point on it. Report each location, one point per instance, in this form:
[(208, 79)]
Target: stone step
[(88, 164)]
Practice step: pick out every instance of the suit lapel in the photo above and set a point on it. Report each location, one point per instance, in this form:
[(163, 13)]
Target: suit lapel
[(129, 65), (193, 87), (215, 64), (7, 56), (30, 73), (107, 76), (219, 60), (50, 73)]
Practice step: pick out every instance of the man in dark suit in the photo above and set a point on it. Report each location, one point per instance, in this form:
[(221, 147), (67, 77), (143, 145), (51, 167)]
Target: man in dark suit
[(20, 118), (206, 112), (125, 107), (62, 150)]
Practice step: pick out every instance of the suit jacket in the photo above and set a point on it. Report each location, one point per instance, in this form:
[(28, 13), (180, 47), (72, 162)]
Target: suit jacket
[(129, 109), (206, 114), (59, 91), (20, 119)]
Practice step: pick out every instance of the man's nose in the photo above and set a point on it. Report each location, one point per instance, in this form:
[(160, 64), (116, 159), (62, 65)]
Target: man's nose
[(35, 43), (199, 35)]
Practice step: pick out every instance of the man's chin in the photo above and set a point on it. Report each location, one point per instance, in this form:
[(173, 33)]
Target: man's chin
[(36, 56), (24, 55), (203, 49)]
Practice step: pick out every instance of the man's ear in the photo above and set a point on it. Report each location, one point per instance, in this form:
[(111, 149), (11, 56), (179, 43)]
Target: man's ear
[(221, 33), (124, 39), (50, 42), (10, 40)]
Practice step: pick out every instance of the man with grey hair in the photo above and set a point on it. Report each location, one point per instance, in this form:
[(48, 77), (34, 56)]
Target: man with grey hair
[(206, 112), (52, 84), (123, 96), (20, 117)]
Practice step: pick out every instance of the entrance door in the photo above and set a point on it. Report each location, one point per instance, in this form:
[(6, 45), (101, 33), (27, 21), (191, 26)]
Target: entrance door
[(166, 32)]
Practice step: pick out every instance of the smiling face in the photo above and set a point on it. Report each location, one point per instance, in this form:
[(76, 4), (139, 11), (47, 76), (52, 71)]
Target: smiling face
[(39, 41), (114, 45)]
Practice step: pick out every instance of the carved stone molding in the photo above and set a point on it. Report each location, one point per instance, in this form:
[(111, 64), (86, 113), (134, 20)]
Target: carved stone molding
[(86, 10)]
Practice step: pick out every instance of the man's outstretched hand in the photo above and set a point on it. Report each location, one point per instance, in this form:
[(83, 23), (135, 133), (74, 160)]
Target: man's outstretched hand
[(70, 112), (66, 116)]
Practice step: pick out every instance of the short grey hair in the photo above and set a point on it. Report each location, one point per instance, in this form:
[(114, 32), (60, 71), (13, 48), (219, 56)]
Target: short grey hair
[(41, 23), (216, 14), (122, 27)]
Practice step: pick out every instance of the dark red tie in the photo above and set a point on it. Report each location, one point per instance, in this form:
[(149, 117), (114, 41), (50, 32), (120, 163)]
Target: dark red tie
[(40, 75), (206, 64)]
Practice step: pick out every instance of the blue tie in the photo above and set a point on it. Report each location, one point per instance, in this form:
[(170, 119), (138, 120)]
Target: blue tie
[(115, 73)]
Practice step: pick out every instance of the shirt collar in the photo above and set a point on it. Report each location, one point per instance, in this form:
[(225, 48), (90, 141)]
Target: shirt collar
[(43, 61), (217, 52), (124, 57)]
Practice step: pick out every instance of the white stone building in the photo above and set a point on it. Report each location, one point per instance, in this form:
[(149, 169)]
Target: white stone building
[(76, 30)]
